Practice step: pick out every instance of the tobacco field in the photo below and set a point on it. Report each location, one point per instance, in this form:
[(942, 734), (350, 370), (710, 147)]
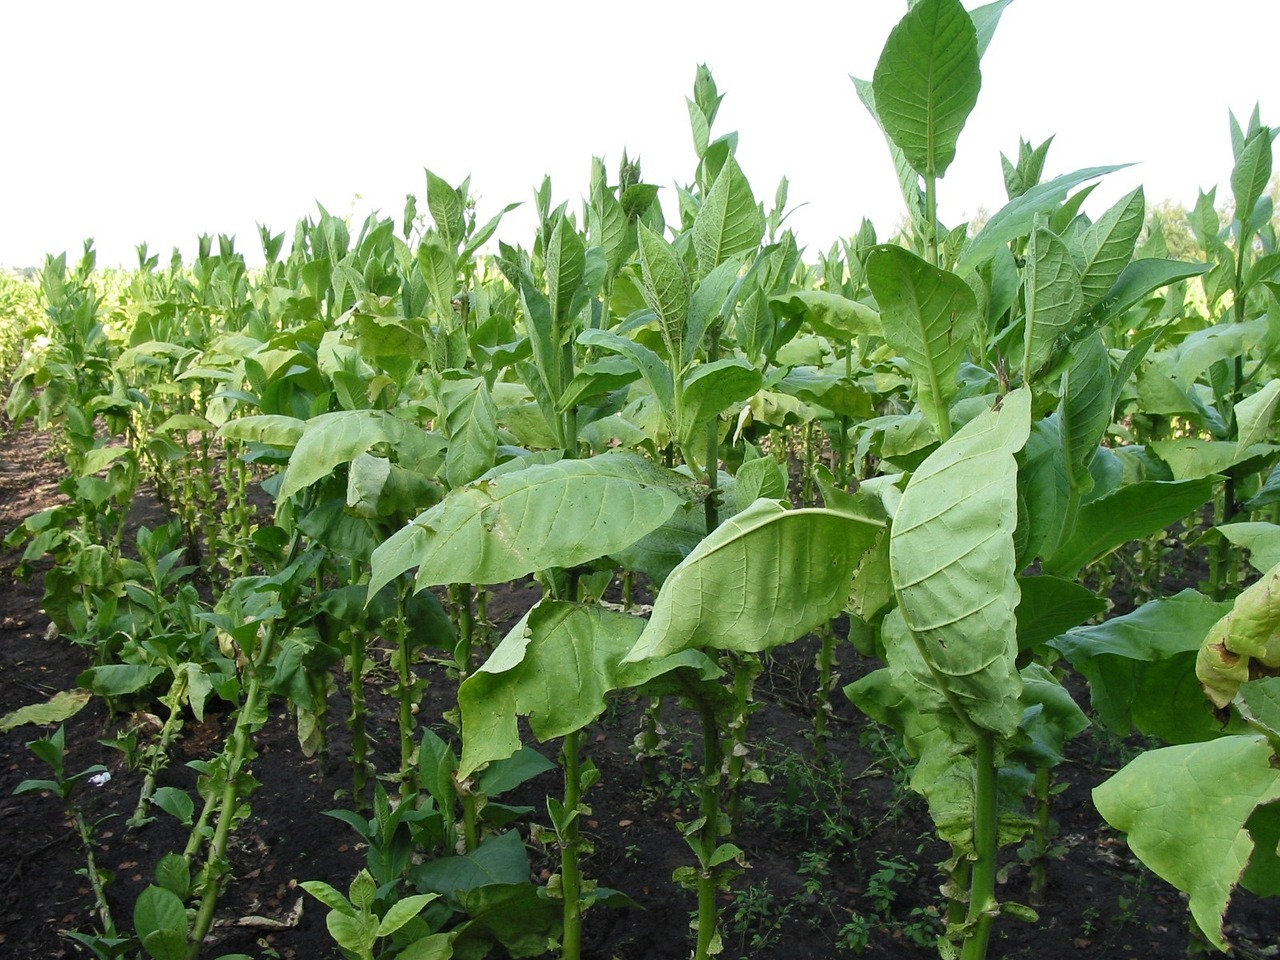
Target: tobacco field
[(650, 586)]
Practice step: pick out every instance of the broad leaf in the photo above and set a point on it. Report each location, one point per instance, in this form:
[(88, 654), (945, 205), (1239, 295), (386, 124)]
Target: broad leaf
[(1052, 295), (1132, 512), (61, 706), (1016, 218), (835, 317), (1105, 248), (1049, 606), (729, 221), (929, 317), (1184, 809), (765, 577), (336, 438), (666, 288), (926, 83), (554, 647), (1141, 667), (554, 515), (471, 424), (951, 556)]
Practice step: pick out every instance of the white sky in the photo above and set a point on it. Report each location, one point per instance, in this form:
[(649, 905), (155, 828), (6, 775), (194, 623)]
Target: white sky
[(158, 121)]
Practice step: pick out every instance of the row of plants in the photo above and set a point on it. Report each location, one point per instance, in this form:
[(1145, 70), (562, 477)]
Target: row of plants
[(981, 419)]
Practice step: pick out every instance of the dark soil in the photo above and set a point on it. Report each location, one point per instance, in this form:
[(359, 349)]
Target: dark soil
[(825, 841)]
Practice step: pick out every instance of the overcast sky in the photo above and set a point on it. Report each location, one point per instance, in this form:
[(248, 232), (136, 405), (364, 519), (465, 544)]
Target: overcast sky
[(159, 121)]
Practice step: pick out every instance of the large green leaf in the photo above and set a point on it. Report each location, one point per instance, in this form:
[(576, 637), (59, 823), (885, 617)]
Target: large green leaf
[(553, 515), (1261, 539), (666, 288), (1129, 513), (929, 318), (729, 221), (764, 577), (1255, 414), (1052, 294), (1141, 667), (1049, 606), (1138, 279), (926, 82), (1191, 458), (830, 314), (709, 390), (1251, 173), (1184, 809), (447, 209), (951, 556), (566, 265), (556, 646), (1084, 411), (277, 430), (471, 423), (336, 438), (1105, 248), (655, 373)]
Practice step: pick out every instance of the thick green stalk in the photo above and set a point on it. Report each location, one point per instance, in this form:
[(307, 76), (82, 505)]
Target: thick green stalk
[(822, 708), (746, 668), (357, 722), (461, 595), (931, 216), (241, 740), (1041, 834), (407, 692), (570, 845), (708, 834), (986, 835)]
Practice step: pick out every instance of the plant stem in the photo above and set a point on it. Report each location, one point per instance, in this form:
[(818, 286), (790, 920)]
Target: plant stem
[(95, 878), (570, 842), (986, 822), (822, 708), (407, 691), (1040, 835), (708, 833), (357, 722), (241, 741)]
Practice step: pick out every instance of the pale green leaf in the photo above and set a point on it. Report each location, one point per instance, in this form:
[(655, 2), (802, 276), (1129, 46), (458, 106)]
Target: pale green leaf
[(332, 439), (929, 317), (554, 647), (764, 577), (832, 315), (1261, 539), (554, 515), (1016, 218), (61, 706), (729, 221), (1255, 415), (926, 82), (471, 424), (666, 288), (951, 556), (1052, 296), (1184, 809), (1105, 248)]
